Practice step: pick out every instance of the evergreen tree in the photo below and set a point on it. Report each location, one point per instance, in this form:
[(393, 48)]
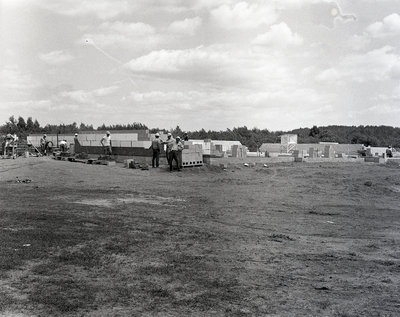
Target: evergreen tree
[(29, 124), (36, 127), (21, 124)]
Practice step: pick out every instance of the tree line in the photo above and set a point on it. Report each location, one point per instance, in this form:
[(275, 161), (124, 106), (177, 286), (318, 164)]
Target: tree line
[(252, 138)]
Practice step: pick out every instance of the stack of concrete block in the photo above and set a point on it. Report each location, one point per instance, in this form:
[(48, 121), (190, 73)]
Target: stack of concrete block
[(216, 150), (329, 152), (218, 147), (375, 159), (207, 147), (298, 155), (312, 153), (239, 151), (127, 162), (192, 155), (143, 135), (124, 143), (235, 150)]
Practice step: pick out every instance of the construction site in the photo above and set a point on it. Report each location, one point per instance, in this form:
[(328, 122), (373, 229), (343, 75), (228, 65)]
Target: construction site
[(135, 145), (295, 230)]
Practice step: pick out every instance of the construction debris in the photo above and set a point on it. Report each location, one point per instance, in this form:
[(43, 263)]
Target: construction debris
[(26, 180)]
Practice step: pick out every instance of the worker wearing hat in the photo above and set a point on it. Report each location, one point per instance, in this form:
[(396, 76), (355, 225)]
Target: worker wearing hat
[(389, 151), (177, 147), (10, 144), (106, 143), (156, 147), (169, 142), (43, 143)]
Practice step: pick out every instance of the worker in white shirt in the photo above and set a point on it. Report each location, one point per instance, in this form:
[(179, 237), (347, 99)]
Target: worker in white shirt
[(63, 146), (106, 143), (177, 147)]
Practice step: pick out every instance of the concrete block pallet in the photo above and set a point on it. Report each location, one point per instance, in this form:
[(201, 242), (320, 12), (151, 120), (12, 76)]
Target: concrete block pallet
[(191, 158)]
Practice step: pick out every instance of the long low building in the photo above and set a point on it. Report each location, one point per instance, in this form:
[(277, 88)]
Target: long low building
[(137, 143), (274, 149), (120, 138)]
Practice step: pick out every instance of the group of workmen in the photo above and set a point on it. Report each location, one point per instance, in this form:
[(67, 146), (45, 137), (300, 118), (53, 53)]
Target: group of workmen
[(174, 147), (46, 146), (173, 151)]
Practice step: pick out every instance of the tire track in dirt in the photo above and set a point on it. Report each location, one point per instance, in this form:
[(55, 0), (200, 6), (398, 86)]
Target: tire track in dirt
[(15, 166)]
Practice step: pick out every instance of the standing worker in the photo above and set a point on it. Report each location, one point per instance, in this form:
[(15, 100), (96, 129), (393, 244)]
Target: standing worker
[(169, 142), (389, 151), (106, 143), (43, 143), (156, 147), (177, 147), (185, 138), (10, 143), (76, 141)]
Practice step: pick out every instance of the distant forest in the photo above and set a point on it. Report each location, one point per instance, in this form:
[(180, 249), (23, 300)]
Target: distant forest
[(252, 138)]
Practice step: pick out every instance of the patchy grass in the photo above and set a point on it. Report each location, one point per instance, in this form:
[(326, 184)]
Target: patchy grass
[(199, 250)]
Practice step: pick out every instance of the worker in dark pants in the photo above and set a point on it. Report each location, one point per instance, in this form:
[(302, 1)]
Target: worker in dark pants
[(169, 143), (43, 142), (63, 146), (156, 147), (389, 151), (177, 147), (106, 143)]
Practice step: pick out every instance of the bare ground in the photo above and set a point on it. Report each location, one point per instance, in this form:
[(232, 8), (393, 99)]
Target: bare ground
[(292, 239)]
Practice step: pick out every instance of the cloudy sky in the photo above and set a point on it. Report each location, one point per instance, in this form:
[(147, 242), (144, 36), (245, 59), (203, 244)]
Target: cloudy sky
[(213, 64)]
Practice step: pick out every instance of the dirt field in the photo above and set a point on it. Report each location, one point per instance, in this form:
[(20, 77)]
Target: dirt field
[(290, 239)]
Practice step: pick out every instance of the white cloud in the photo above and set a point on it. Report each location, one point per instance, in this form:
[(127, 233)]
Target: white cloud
[(136, 36), (278, 35), (373, 65), (390, 26), (396, 93), (175, 61), (244, 15), (330, 74), (228, 100), (395, 70), (26, 107), (208, 4), (129, 29), (11, 77), (186, 26), (359, 42), (105, 91), (14, 3), (382, 109), (55, 57), (103, 9), (205, 108), (88, 97)]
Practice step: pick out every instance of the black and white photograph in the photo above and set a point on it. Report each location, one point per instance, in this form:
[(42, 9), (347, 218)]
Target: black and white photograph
[(199, 158)]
